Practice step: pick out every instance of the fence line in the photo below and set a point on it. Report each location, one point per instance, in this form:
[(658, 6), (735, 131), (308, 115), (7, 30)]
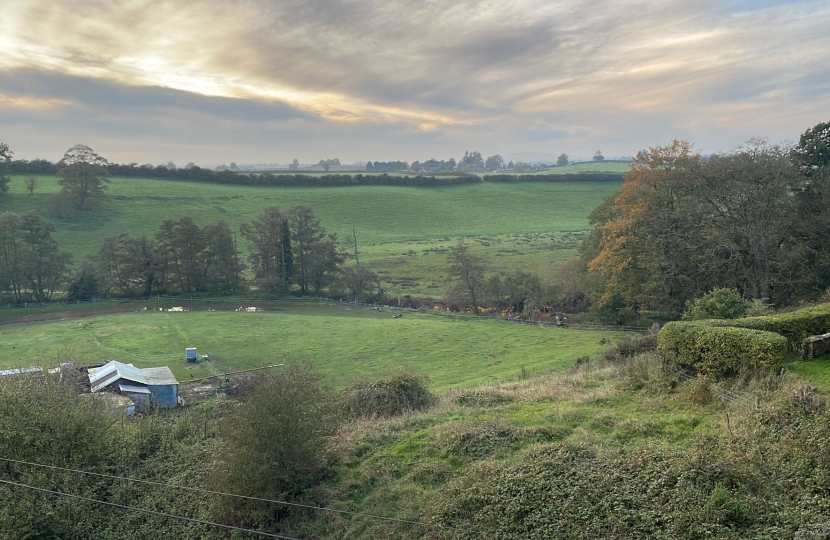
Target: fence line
[(245, 301)]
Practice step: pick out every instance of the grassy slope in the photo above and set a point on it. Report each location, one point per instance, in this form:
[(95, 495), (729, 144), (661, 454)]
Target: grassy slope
[(342, 342), (630, 417), (403, 232)]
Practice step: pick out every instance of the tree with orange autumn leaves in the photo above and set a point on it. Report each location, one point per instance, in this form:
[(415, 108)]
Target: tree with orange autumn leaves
[(682, 225), (631, 243)]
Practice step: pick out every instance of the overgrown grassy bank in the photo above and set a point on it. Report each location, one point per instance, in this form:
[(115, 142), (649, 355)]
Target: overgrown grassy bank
[(615, 448)]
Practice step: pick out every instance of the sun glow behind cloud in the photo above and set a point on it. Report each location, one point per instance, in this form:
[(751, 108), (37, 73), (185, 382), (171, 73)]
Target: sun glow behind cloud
[(477, 73)]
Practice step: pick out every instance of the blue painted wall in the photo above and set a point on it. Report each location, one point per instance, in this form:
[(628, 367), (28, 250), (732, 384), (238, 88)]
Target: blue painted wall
[(165, 396)]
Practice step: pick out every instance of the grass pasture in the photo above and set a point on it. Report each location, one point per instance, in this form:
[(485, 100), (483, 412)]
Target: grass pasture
[(342, 342), (403, 232)]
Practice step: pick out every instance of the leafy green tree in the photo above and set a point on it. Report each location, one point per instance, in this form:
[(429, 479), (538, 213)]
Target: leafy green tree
[(31, 184), (637, 263), (717, 304), (494, 163), (5, 161), (275, 444), (812, 153), (84, 286), (358, 280), (749, 198), (82, 175), (464, 283), (128, 265), (270, 248), (680, 226), (81, 153), (513, 290), (598, 156), (223, 268), (295, 165), (45, 420), (182, 244), (31, 266), (562, 160), (471, 162), (316, 257)]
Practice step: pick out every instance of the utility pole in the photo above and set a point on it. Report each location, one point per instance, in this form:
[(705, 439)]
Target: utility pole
[(356, 253)]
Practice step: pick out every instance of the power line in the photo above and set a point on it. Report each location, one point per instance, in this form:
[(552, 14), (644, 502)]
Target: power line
[(146, 511), (212, 492)]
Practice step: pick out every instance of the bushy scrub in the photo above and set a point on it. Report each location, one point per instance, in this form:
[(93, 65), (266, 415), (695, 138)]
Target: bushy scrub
[(719, 350), (630, 347), (717, 304), (395, 394), (275, 443), (482, 398), (576, 491)]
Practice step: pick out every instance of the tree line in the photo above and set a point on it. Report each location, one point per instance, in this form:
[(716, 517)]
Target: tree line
[(756, 220), (288, 250)]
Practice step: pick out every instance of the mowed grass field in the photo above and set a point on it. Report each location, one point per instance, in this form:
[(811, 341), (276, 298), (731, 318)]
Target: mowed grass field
[(404, 233), (342, 342)]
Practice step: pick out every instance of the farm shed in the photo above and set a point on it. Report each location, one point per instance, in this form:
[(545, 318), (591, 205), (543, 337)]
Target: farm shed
[(142, 386), (114, 403)]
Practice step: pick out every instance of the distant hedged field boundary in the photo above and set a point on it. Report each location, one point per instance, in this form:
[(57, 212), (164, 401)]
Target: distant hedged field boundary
[(300, 179), (243, 304)]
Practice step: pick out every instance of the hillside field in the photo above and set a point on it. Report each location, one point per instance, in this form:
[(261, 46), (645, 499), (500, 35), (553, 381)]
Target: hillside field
[(342, 342), (403, 232)]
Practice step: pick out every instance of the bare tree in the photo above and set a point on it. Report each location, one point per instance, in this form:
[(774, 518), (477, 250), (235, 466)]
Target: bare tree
[(465, 282), (31, 184)]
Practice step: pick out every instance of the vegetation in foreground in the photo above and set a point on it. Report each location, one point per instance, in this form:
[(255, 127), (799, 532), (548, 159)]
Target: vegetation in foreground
[(618, 447)]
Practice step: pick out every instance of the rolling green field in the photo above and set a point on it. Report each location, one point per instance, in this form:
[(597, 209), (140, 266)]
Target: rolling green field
[(342, 342), (583, 167), (403, 232)]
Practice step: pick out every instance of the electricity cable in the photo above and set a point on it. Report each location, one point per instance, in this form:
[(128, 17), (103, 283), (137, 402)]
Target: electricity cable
[(212, 492), (146, 511)]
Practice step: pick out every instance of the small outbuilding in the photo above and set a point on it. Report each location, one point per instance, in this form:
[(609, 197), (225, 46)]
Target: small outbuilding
[(147, 386)]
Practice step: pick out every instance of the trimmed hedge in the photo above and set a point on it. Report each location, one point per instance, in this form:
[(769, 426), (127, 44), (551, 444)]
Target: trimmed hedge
[(795, 326), (719, 350), (566, 177)]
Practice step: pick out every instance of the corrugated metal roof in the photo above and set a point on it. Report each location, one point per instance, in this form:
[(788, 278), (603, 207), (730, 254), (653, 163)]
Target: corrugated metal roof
[(105, 375), (18, 371), (133, 389), (159, 376)]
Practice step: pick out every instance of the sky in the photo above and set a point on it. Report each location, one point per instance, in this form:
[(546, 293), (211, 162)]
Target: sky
[(264, 81)]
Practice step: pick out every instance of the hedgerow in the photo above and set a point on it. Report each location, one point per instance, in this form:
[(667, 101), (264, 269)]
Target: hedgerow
[(719, 350), (795, 325)]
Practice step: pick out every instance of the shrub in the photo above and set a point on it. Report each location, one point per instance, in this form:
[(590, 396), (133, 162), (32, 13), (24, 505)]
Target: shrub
[(630, 347), (275, 443), (717, 304), (60, 206), (719, 350), (400, 392), (795, 326), (482, 398), (479, 439)]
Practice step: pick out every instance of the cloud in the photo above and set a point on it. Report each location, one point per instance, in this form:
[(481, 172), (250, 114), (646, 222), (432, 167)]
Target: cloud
[(405, 78)]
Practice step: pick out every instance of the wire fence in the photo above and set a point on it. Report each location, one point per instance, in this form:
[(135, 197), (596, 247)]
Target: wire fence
[(724, 394), (246, 303)]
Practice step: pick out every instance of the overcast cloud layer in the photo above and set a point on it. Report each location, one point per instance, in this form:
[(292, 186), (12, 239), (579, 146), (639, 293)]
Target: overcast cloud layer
[(268, 81)]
